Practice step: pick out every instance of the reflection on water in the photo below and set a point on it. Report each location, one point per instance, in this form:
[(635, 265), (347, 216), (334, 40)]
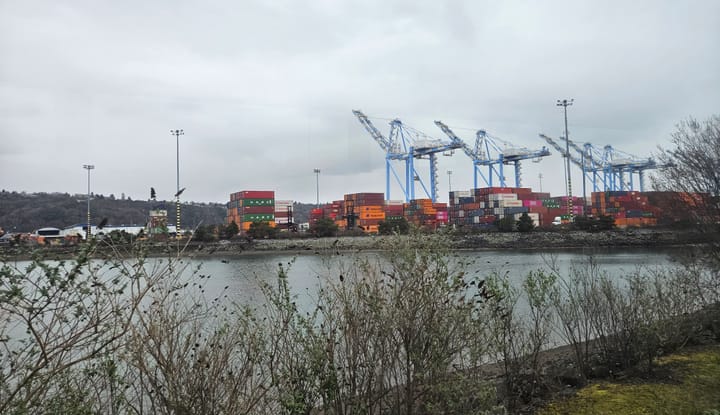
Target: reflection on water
[(242, 273)]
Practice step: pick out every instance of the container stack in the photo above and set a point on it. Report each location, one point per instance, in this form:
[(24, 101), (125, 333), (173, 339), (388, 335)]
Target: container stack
[(424, 213), (368, 209), (484, 206), (629, 208), (557, 206), (332, 211), (394, 210), (283, 213), (251, 206), (674, 206), (157, 223)]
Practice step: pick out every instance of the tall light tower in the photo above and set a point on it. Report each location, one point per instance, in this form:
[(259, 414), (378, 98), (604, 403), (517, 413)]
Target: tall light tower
[(449, 173), (88, 167), (565, 103), (177, 134), (317, 187)]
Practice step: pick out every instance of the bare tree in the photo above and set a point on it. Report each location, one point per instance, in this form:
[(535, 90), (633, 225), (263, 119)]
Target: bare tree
[(694, 172)]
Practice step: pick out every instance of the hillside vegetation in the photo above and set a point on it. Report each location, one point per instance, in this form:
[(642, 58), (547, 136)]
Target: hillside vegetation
[(25, 212)]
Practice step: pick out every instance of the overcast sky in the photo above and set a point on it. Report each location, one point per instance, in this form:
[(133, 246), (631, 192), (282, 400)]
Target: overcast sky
[(264, 89)]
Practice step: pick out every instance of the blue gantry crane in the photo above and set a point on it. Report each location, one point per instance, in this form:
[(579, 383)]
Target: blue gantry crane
[(487, 152), (612, 168), (587, 158), (407, 144), (621, 163)]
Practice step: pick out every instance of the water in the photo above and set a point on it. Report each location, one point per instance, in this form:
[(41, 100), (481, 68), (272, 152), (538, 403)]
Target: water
[(242, 273), (239, 277)]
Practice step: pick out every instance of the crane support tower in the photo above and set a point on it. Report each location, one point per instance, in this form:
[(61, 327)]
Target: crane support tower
[(487, 152), (621, 163), (407, 144)]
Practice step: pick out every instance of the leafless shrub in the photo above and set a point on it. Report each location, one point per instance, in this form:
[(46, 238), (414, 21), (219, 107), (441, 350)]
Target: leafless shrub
[(58, 321), (386, 337)]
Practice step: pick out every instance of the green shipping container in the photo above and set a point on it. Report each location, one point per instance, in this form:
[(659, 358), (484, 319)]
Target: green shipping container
[(257, 202), (258, 217)]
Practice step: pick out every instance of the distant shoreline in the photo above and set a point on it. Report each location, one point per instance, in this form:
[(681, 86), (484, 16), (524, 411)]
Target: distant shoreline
[(642, 238)]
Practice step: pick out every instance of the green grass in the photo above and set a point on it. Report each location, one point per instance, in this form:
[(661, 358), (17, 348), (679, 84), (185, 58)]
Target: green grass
[(694, 389)]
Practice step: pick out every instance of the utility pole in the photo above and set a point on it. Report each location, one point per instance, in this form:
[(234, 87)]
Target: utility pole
[(317, 187), (177, 134), (565, 103), (88, 167)]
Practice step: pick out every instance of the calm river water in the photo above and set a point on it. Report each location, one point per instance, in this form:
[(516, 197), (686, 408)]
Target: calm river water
[(241, 274)]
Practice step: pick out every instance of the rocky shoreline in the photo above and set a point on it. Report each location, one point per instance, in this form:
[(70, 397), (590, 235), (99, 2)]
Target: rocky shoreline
[(496, 240), (539, 240)]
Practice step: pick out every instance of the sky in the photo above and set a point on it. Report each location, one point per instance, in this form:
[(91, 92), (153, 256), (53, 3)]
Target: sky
[(264, 90)]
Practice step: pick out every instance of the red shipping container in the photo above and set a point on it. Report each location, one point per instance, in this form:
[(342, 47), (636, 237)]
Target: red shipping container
[(257, 194), (522, 190), (256, 209)]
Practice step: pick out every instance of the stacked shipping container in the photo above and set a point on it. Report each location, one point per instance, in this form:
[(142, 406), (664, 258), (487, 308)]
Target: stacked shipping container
[(333, 211), (629, 208), (425, 213), (482, 207), (283, 213), (367, 208), (251, 206)]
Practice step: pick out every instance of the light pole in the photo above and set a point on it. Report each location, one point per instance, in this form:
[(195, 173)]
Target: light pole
[(449, 173), (177, 134), (317, 187), (565, 103), (540, 177), (88, 167)]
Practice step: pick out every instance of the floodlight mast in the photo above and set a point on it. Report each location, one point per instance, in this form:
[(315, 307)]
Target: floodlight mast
[(88, 167), (565, 103)]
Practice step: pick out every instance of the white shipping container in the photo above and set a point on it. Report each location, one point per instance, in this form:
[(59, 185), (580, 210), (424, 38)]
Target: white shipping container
[(502, 196), (461, 214), (462, 193), (476, 219), (510, 203)]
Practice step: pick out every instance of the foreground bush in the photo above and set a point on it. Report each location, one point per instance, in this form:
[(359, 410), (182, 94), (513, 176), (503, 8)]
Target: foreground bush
[(409, 332)]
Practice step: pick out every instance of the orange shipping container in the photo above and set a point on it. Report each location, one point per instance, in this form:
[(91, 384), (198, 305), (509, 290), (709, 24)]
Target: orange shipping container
[(369, 208), (371, 215)]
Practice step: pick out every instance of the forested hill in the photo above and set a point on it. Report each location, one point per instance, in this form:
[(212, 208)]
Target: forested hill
[(25, 212)]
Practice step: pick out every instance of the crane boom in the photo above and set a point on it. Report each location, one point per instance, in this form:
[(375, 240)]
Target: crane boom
[(488, 153), (407, 144), (576, 161), (374, 132), (455, 139)]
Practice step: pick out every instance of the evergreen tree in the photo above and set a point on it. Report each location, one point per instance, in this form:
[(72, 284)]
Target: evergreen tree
[(525, 223)]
